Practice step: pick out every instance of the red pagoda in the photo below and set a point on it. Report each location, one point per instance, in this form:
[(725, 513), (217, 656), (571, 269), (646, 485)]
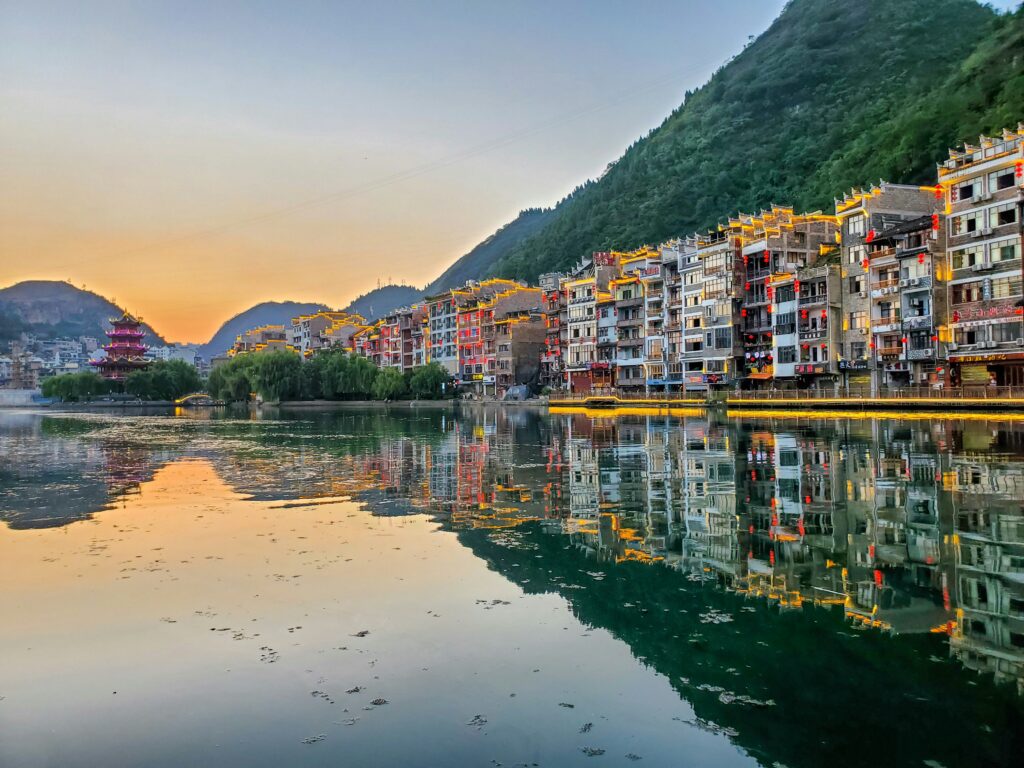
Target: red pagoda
[(125, 350)]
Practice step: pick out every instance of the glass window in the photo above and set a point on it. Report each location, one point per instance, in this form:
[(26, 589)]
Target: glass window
[(1004, 250)]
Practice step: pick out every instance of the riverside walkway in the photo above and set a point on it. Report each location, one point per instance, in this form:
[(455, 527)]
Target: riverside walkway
[(1005, 399)]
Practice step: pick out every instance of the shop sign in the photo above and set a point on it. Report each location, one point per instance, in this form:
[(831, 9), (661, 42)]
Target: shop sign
[(853, 365), (987, 311), (987, 358)]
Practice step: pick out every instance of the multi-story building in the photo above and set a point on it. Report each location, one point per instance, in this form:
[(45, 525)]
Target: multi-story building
[(478, 324), (776, 245), (908, 304), (715, 334), (689, 343), (673, 324), (629, 333), (322, 330), (982, 186), (442, 313), (862, 215), (258, 339), (520, 342), (555, 315), (588, 285)]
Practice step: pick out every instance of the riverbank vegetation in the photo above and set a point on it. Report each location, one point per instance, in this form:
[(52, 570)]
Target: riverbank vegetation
[(161, 380), (330, 375)]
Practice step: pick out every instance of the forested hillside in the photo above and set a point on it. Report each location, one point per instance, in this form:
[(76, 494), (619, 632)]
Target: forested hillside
[(480, 260), (833, 95)]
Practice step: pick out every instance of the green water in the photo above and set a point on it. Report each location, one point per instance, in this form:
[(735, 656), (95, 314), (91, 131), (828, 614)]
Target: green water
[(423, 587)]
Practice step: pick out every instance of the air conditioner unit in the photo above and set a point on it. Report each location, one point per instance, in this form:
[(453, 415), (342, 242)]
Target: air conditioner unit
[(952, 347), (990, 345), (904, 283), (863, 331), (915, 281), (863, 294), (977, 199), (988, 196), (1020, 342), (976, 233), (977, 267), (986, 231)]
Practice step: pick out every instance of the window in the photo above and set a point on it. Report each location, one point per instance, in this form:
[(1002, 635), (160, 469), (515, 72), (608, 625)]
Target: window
[(856, 283), (1000, 180), (857, 254), (966, 336), (968, 257), (856, 226), (787, 354), (1006, 332), (858, 349), (967, 223), (859, 319), (723, 338), (785, 293), (966, 191), (1004, 250), (1001, 215), (1005, 287), (962, 293)]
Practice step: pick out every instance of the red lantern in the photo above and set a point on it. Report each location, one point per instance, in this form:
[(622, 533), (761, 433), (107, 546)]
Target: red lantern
[(920, 258), (872, 345), (938, 193), (903, 340), (935, 222), (743, 313), (864, 264), (935, 338), (746, 286)]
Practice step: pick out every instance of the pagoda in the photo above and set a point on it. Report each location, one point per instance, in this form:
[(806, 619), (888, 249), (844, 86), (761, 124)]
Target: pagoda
[(125, 350)]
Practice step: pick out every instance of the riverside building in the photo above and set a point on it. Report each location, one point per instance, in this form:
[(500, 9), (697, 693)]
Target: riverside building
[(982, 186), (872, 284)]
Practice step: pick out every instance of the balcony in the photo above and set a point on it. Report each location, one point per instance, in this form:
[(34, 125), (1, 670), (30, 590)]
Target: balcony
[(890, 351), (811, 299)]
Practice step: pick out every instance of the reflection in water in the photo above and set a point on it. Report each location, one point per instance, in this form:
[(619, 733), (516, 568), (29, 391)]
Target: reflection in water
[(804, 575)]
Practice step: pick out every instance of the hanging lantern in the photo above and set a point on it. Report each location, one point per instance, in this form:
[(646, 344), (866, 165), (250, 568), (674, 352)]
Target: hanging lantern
[(920, 258), (746, 286), (903, 340), (746, 260), (935, 222), (938, 193), (803, 314), (864, 264), (935, 338), (872, 345), (743, 312)]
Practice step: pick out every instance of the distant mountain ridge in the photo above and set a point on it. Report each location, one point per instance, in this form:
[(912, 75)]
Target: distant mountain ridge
[(374, 304), (56, 308)]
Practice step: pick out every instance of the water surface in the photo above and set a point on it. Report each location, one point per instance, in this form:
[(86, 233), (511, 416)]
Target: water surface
[(397, 587)]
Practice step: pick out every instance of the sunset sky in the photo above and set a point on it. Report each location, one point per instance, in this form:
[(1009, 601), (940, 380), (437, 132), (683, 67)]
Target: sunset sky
[(191, 159)]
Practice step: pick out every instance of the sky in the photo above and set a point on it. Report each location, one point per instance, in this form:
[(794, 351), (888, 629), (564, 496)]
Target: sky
[(190, 159)]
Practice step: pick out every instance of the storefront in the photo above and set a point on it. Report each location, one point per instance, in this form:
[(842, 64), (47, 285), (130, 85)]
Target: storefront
[(1004, 369)]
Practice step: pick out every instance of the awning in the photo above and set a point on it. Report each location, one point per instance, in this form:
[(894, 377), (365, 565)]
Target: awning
[(759, 375)]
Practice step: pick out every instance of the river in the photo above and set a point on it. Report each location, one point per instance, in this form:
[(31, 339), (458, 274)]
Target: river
[(422, 587)]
